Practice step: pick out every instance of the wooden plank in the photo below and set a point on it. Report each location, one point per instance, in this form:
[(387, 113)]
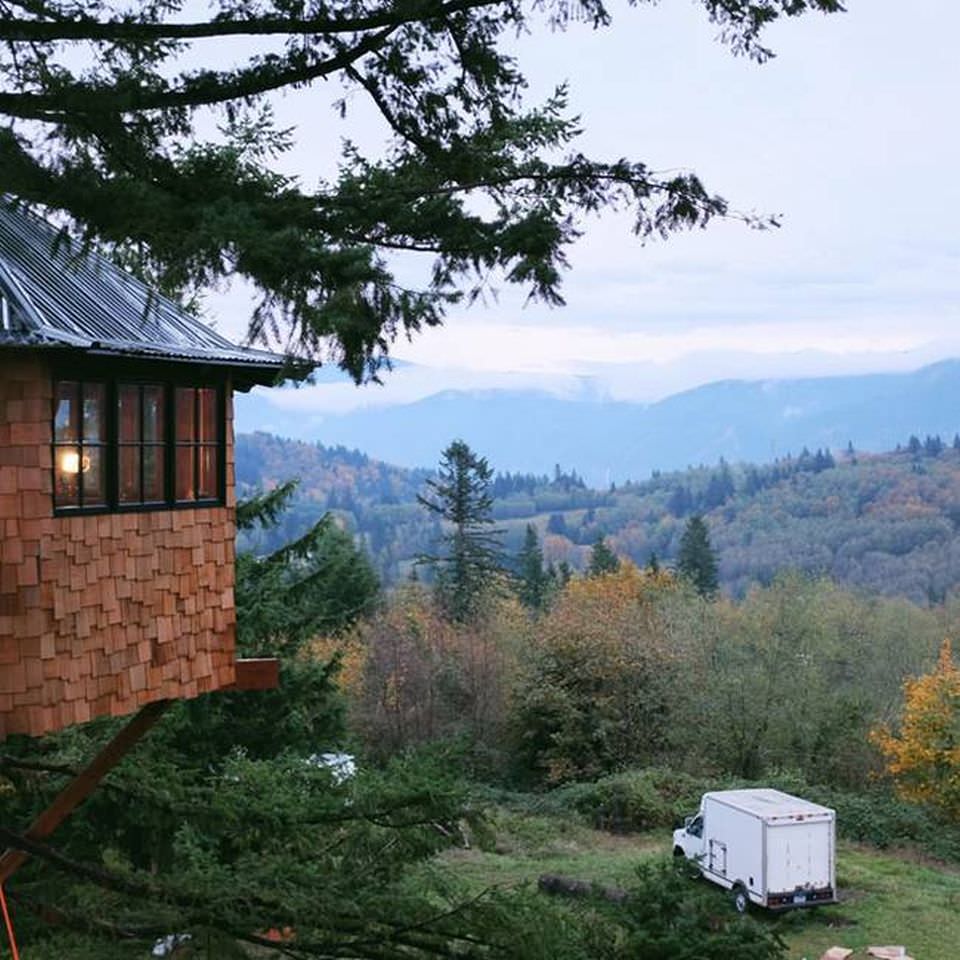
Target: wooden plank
[(256, 674), (78, 789)]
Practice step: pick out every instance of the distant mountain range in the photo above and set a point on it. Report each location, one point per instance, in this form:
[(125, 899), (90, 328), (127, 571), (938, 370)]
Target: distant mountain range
[(614, 441)]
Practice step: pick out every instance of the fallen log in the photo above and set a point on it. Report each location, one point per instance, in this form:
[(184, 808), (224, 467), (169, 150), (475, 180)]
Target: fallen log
[(569, 887)]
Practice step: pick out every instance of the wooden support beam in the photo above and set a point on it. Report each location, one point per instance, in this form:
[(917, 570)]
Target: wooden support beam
[(85, 782), (259, 674)]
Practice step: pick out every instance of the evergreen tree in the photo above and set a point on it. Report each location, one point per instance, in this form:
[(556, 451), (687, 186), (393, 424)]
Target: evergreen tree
[(681, 500), (461, 497), (557, 523), (602, 559), (317, 585), (653, 564), (696, 560), (534, 581), (113, 140)]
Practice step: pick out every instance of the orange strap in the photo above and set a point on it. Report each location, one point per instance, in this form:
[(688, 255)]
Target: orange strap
[(9, 925)]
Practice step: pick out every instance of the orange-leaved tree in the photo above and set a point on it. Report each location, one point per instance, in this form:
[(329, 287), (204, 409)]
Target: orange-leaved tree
[(595, 691), (924, 758)]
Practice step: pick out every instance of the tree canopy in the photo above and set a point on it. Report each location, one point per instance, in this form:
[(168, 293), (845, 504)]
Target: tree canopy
[(924, 757), (108, 120)]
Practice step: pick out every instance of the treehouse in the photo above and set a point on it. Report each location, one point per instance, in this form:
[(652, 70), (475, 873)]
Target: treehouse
[(117, 513)]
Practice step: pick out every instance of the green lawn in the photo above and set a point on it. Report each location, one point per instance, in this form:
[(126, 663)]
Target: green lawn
[(887, 897)]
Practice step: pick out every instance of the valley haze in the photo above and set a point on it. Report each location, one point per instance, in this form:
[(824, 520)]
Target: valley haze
[(614, 441)]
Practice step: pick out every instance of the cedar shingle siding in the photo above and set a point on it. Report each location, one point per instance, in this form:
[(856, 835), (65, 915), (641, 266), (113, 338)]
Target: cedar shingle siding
[(101, 614)]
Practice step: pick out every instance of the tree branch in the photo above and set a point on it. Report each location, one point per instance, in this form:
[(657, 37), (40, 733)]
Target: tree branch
[(16, 30), (202, 89)]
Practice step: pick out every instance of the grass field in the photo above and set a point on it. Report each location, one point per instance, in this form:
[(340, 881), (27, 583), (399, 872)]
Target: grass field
[(886, 897)]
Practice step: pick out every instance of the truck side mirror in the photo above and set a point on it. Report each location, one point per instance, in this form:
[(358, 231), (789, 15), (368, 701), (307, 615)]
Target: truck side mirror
[(687, 821)]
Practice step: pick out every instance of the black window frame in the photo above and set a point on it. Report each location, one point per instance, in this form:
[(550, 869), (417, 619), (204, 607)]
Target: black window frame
[(112, 380), (81, 443)]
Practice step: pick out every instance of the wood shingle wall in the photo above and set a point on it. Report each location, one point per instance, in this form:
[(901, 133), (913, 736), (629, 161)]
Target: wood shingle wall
[(101, 614)]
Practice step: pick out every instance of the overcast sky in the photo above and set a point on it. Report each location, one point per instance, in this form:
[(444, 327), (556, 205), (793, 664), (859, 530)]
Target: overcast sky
[(851, 134)]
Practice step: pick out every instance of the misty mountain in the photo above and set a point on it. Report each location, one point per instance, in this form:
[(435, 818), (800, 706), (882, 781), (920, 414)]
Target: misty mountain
[(613, 441)]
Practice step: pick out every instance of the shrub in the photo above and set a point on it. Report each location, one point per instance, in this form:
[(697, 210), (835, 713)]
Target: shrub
[(634, 800)]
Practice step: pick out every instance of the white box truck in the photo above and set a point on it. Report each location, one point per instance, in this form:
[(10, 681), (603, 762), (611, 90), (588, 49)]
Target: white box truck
[(765, 846)]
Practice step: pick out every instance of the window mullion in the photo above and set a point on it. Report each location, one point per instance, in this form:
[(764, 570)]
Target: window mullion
[(196, 444), (140, 457), (112, 448), (81, 399)]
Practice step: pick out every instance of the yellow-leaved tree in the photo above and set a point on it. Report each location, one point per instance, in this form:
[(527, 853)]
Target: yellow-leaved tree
[(597, 689), (924, 757)]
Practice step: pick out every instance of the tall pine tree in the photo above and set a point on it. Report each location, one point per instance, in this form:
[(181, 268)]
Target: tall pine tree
[(470, 560)]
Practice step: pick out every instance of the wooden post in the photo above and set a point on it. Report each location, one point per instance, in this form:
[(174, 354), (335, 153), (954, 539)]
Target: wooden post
[(78, 789)]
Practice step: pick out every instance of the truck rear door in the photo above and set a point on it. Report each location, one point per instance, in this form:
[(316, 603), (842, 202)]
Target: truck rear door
[(799, 856)]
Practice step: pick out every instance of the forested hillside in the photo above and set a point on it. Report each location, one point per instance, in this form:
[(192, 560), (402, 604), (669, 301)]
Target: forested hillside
[(887, 523)]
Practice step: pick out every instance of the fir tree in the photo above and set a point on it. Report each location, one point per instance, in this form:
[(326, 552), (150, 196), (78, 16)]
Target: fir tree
[(461, 497), (696, 560), (602, 559), (533, 580)]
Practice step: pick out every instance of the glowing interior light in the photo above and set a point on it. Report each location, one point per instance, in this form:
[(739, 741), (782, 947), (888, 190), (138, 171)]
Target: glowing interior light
[(70, 462)]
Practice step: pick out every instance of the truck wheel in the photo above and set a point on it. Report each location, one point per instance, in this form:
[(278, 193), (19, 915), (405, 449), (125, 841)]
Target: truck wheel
[(740, 899), (678, 852)]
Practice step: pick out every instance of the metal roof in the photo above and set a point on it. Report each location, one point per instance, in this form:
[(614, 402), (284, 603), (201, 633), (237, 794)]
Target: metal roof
[(57, 295), (770, 804)]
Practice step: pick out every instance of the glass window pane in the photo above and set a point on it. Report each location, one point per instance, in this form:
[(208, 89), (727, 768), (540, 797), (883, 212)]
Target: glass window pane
[(128, 475), (185, 487), (153, 485), (67, 476), (94, 477), (207, 487), (185, 410), (66, 420), (128, 412), (208, 415), (153, 414), (94, 412)]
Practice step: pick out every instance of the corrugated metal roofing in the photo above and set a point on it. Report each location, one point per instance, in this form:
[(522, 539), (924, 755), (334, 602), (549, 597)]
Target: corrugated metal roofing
[(58, 295)]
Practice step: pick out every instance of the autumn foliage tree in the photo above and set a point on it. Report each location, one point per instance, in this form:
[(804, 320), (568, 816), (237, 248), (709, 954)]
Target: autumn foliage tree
[(596, 689), (924, 757), (426, 678)]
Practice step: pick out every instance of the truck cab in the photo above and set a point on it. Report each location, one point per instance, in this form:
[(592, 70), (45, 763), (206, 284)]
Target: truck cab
[(688, 839)]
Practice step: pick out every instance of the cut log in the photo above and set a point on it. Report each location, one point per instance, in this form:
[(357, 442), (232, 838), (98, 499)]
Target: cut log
[(570, 887)]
